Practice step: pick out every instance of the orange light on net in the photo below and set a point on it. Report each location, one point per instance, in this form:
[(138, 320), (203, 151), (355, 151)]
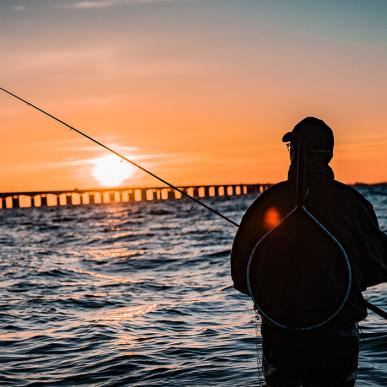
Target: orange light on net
[(272, 218)]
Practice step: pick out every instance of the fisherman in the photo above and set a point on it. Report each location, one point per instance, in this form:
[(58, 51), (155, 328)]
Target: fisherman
[(326, 355)]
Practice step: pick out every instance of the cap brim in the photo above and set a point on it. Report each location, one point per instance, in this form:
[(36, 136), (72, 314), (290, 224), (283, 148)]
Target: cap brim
[(287, 137)]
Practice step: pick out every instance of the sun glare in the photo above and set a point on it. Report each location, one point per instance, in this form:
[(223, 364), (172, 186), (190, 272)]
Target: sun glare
[(110, 171)]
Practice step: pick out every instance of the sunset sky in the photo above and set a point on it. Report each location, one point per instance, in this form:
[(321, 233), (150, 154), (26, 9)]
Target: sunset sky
[(197, 91)]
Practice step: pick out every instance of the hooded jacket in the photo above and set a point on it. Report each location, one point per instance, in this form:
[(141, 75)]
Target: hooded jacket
[(341, 209)]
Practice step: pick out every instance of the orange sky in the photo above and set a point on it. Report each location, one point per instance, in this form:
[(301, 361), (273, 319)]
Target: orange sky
[(196, 91)]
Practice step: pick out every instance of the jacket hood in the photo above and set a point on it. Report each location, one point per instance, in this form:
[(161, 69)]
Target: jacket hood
[(314, 165)]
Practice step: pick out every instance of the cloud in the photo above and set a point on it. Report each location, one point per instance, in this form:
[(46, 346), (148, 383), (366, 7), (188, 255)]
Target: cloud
[(92, 4), (19, 8)]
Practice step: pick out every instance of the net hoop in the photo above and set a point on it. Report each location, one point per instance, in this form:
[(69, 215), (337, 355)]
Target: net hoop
[(344, 255)]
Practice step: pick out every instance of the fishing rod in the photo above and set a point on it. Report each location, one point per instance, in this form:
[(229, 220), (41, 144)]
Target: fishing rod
[(376, 310), (370, 306), (122, 157)]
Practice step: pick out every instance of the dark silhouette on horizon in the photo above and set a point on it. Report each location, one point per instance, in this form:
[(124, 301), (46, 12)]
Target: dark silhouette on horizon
[(124, 194)]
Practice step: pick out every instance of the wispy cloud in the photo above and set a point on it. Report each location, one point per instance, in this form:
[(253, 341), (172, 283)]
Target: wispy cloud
[(93, 4), (19, 8), (110, 3)]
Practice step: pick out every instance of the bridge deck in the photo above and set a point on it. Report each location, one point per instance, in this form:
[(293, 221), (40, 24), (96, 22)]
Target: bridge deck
[(120, 194)]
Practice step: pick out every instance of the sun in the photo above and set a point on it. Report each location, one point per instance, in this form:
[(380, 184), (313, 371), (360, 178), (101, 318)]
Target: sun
[(109, 171)]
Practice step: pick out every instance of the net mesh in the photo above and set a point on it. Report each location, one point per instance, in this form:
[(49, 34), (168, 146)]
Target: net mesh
[(258, 343)]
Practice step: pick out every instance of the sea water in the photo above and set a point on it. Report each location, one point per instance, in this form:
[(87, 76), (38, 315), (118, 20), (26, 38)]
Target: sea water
[(138, 294)]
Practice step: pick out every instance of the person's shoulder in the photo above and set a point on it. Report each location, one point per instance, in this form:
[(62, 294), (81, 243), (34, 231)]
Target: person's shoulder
[(351, 193), (349, 190), (273, 192), (276, 188)]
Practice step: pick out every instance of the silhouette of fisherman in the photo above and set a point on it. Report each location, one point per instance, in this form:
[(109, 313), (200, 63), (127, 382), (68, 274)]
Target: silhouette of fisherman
[(298, 272)]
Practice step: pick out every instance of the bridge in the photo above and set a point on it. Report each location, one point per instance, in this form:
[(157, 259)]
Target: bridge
[(120, 194)]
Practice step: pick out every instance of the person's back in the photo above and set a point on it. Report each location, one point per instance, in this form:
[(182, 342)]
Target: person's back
[(291, 356)]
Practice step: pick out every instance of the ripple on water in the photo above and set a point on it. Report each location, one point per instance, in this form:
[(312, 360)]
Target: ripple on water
[(136, 294)]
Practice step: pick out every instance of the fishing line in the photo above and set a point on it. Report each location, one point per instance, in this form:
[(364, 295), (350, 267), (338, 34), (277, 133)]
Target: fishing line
[(370, 306)]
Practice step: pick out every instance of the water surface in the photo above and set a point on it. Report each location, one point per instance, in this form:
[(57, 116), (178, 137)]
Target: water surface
[(137, 294)]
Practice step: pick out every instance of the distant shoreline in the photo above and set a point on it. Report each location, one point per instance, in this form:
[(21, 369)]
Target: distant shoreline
[(359, 184)]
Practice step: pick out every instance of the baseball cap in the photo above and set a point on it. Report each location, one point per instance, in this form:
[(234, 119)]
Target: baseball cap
[(317, 135)]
